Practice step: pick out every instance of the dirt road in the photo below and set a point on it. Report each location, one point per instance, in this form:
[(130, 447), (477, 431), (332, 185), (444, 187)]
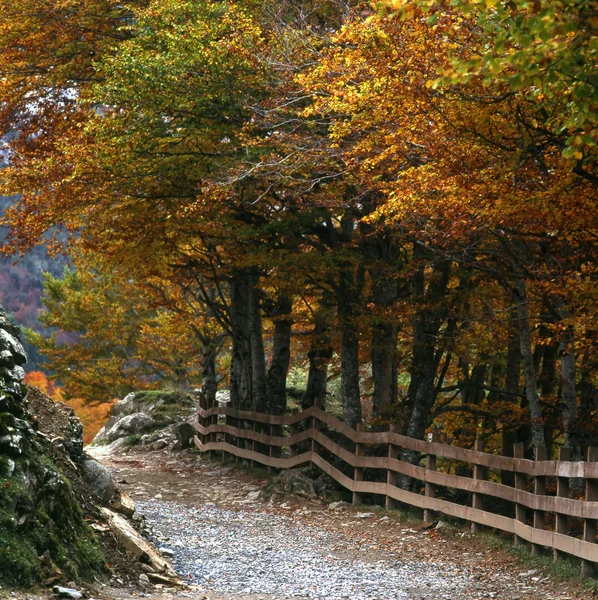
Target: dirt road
[(229, 542)]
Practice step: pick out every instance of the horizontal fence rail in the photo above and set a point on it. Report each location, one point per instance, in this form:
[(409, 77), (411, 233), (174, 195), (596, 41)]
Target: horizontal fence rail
[(536, 508)]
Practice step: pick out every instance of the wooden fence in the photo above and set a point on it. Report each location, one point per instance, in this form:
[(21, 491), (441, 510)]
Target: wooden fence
[(536, 508)]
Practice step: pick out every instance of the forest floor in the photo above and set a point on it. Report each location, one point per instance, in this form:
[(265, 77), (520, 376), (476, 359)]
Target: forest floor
[(230, 543)]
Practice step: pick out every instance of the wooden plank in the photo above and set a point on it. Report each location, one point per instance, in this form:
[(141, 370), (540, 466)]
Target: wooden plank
[(565, 506), (547, 468)]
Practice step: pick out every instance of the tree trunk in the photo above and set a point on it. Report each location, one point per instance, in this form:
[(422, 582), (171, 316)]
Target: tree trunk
[(320, 354), (529, 371), (349, 291), (427, 322), (512, 376), (384, 348), (568, 394), (276, 383), (209, 383), (241, 382), (256, 342)]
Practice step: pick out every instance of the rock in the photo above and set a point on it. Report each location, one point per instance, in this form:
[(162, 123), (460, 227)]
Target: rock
[(64, 592), (364, 515), (164, 580), (338, 505), (184, 433), (223, 397), (167, 552), (123, 407), (144, 580), (121, 502), (99, 479), (159, 445), (132, 542), (130, 425), (293, 481)]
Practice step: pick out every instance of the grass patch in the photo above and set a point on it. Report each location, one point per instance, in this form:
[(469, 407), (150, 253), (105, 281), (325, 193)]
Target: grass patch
[(565, 569)]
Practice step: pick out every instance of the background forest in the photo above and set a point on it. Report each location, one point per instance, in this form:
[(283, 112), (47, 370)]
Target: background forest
[(394, 202)]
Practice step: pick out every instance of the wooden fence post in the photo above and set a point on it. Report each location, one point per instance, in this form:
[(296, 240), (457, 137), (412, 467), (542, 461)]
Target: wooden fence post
[(391, 476), (588, 568), (271, 452), (224, 435), (292, 447), (520, 484), (315, 425), (562, 491), (479, 474), (539, 490), (430, 488), (358, 472)]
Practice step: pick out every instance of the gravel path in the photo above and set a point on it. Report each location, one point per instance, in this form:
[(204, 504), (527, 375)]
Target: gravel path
[(251, 552), (230, 544)]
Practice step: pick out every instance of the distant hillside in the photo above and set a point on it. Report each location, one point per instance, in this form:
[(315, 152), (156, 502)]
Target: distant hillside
[(21, 287)]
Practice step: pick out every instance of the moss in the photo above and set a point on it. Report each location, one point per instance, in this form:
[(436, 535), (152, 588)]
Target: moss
[(133, 440), (42, 528)]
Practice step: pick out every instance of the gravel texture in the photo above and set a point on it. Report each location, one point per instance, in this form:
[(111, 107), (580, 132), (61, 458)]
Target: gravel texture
[(257, 552)]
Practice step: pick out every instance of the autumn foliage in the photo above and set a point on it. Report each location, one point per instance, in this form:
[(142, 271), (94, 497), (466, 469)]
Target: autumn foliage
[(398, 198)]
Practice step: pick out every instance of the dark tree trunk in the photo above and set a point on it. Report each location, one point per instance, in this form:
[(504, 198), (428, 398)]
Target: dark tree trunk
[(569, 394), (276, 383), (426, 326), (209, 383), (241, 381), (256, 343), (584, 432), (320, 353), (512, 376), (349, 291), (384, 348), (529, 370)]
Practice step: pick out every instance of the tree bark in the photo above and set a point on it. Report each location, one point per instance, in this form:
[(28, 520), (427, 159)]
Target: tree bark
[(256, 343), (241, 381), (276, 382), (529, 371), (426, 326), (209, 382), (569, 394), (385, 332), (512, 376), (349, 291), (320, 354)]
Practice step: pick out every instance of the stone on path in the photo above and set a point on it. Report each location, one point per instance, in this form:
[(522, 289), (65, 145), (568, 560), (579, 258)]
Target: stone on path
[(135, 544)]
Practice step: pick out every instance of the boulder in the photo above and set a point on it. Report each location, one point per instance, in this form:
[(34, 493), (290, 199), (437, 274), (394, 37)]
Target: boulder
[(184, 435), (121, 502), (134, 424), (294, 481), (126, 406), (99, 479)]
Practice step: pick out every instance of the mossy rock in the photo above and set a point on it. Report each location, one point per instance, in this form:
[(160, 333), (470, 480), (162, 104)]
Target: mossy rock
[(42, 528)]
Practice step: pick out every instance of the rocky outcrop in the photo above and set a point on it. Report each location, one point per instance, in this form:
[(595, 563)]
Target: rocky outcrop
[(42, 529), (150, 418)]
